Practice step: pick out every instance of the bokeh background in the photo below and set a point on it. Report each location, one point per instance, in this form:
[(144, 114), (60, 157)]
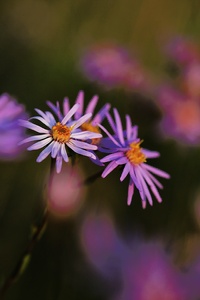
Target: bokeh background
[(41, 44)]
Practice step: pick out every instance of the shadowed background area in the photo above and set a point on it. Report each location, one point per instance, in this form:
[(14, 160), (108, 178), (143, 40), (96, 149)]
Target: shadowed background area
[(41, 47)]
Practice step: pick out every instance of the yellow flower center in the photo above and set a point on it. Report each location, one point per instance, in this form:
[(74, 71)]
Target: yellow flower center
[(60, 133), (134, 154), (87, 126)]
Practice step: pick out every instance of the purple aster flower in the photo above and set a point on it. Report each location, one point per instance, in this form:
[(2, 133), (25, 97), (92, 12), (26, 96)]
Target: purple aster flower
[(92, 123), (10, 131), (60, 137), (124, 148)]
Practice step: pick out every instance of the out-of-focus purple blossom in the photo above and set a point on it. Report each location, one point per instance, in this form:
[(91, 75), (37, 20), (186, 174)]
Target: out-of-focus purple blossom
[(142, 269), (191, 80), (10, 131), (99, 240), (125, 150), (182, 51), (112, 66), (59, 138), (181, 116), (65, 191)]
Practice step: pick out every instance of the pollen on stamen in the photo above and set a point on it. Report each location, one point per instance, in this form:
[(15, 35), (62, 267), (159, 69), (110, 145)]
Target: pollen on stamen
[(134, 154), (60, 133), (87, 126)]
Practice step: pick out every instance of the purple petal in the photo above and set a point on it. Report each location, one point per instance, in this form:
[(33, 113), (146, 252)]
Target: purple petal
[(92, 104), (144, 185), (109, 135), (42, 114), (64, 153), (99, 117), (55, 149), (40, 144), (110, 167), (130, 191), (32, 126), (34, 138), (112, 156), (45, 152), (42, 120), (85, 135), (150, 154), (128, 127), (119, 126), (80, 121), (122, 161), (70, 114), (80, 101), (134, 133), (55, 109), (51, 118), (150, 176), (83, 145), (152, 185), (58, 163), (157, 171), (66, 106), (80, 151), (111, 122), (141, 189), (135, 179), (125, 171)]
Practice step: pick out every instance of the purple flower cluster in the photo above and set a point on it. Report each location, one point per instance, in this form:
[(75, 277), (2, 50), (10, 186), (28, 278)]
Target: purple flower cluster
[(141, 270), (112, 66), (64, 135), (10, 131), (75, 130), (180, 103)]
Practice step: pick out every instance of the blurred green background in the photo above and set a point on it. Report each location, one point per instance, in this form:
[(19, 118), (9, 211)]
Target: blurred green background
[(41, 43)]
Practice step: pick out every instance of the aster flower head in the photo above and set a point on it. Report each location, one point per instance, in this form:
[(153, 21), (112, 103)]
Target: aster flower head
[(60, 137), (10, 131), (92, 123), (125, 149)]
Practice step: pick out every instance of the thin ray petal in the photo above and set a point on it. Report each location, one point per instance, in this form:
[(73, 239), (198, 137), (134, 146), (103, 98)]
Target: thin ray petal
[(70, 114), (40, 144)]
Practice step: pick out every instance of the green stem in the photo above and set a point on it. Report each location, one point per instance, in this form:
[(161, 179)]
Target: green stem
[(23, 261)]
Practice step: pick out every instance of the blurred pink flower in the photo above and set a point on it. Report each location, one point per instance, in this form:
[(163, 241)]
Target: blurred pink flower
[(191, 80), (65, 193), (100, 242), (181, 116), (182, 51), (112, 66)]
